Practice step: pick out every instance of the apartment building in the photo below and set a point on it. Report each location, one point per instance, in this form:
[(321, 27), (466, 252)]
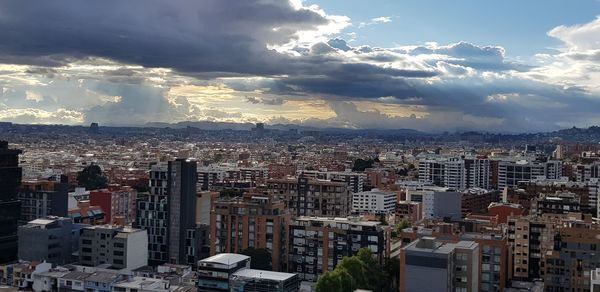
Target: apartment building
[(476, 200), (318, 244), (575, 255), (254, 220), (453, 265), (457, 173), (354, 180), (312, 197), (42, 198), (529, 238), (50, 239), (374, 202), (118, 203), (119, 247), (510, 173)]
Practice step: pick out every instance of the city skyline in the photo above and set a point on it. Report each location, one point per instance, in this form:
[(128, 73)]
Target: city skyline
[(434, 66)]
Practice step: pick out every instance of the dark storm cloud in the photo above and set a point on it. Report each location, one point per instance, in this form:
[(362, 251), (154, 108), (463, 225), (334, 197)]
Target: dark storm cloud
[(187, 35)]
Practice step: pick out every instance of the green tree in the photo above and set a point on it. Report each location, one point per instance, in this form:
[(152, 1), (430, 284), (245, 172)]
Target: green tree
[(361, 164), (260, 258), (357, 270), (339, 280), (91, 178)]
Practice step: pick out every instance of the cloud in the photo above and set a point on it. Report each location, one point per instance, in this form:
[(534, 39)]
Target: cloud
[(376, 20), (138, 61)]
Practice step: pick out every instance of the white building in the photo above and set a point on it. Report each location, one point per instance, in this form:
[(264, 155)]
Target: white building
[(437, 202), (119, 247), (374, 202)]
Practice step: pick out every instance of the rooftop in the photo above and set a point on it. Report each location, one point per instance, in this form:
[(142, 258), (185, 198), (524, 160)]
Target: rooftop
[(263, 274), (226, 258)]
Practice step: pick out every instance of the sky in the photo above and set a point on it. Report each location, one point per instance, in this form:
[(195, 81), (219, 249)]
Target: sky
[(494, 66)]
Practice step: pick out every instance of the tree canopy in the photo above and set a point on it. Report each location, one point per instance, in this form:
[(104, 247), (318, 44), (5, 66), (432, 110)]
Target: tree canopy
[(361, 271), (260, 258), (91, 178)]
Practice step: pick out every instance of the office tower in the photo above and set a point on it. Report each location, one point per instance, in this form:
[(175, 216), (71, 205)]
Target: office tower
[(214, 272), (437, 202), (374, 202), (50, 239), (256, 221), (182, 211), (318, 244), (94, 129), (427, 264), (118, 203), (10, 207), (168, 212), (119, 247), (312, 197), (42, 198)]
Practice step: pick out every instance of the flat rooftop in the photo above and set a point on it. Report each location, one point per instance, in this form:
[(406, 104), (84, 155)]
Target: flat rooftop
[(262, 274), (226, 258)]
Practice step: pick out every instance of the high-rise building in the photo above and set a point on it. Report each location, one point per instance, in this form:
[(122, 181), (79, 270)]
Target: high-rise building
[(119, 247), (427, 264), (50, 239), (318, 244), (10, 207), (168, 212), (256, 221), (42, 198), (528, 238), (118, 203), (312, 197)]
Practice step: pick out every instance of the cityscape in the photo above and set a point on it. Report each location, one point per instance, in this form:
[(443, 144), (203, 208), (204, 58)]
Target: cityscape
[(299, 145)]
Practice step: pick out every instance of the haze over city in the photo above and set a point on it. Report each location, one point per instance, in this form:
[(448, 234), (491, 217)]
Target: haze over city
[(504, 66)]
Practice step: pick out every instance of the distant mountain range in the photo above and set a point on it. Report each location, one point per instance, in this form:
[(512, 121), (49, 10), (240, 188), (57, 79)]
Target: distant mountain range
[(207, 125)]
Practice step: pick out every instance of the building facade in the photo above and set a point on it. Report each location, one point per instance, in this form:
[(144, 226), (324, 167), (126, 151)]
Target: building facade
[(256, 221), (312, 197), (374, 202), (10, 206), (168, 212), (317, 244), (431, 265), (118, 203), (42, 198), (119, 247), (51, 239)]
